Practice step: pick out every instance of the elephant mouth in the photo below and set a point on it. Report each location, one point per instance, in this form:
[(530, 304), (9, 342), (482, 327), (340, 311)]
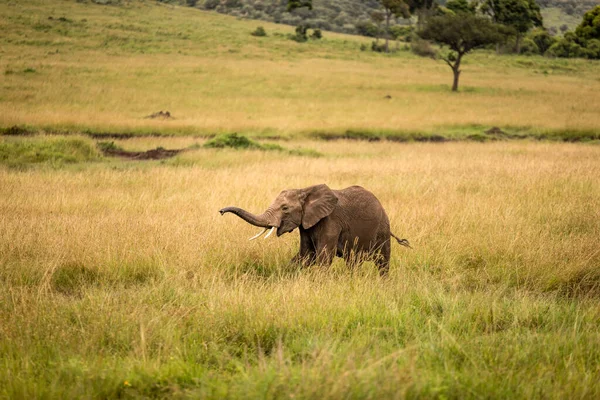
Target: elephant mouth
[(282, 230)]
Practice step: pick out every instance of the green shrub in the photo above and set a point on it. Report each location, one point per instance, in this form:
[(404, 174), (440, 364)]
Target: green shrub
[(401, 31), (235, 141), (542, 39), (317, 34), (366, 28), (529, 47), (232, 140), (378, 47), (211, 4), (565, 48), (109, 146), (593, 49), (422, 48), (589, 28), (301, 33), (259, 31)]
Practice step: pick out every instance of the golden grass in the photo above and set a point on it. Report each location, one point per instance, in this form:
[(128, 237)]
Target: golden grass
[(126, 272), (120, 278), (121, 64)]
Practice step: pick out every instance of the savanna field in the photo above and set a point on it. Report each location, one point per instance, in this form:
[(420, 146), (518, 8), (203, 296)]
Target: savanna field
[(119, 278)]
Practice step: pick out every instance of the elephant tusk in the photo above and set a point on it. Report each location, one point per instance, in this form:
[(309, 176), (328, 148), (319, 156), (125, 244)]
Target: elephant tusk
[(258, 234), (269, 234)]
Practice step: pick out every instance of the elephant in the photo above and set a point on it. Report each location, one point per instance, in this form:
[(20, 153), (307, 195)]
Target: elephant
[(349, 223)]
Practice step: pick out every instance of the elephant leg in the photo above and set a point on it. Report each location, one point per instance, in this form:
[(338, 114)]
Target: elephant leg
[(326, 247), (382, 258), (307, 255)]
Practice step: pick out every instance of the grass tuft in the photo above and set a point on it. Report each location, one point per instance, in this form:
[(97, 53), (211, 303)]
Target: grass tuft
[(235, 141), (73, 278), (240, 142)]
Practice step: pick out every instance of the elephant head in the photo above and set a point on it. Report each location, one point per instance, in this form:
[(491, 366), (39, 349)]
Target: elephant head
[(292, 208)]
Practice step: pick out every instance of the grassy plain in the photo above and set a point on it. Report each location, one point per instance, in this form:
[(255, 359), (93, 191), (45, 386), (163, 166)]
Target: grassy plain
[(104, 68), (120, 279)]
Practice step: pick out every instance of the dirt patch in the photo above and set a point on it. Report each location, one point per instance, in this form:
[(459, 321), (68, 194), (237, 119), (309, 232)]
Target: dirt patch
[(115, 135), (498, 133), (155, 154), (348, 135), (495, 131), (160, 115)]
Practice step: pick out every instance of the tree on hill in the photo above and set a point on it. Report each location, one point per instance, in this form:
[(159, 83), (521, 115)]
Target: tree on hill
[(521, 15), (589, 28), (461, 33), (461, 6), (423, 9), (295, 4), (393, 8), (302, 28)]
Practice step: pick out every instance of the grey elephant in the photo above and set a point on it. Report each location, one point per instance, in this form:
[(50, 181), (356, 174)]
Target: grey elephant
[(350, 223)]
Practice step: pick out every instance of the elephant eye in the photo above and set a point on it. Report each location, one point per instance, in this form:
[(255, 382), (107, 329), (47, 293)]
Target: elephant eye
[(284, 208)]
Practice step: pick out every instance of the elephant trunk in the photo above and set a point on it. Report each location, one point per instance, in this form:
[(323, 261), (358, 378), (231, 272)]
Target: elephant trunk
[(263, 220)]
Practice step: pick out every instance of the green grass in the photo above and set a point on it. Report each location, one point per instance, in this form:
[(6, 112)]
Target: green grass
[(56, 152), (121, 279), (235, 141)]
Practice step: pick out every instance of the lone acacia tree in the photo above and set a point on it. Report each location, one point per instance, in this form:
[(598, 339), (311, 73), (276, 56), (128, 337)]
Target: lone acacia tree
[(461, 33)]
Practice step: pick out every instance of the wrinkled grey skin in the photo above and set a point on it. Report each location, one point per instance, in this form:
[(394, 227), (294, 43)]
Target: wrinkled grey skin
[(349, 223)]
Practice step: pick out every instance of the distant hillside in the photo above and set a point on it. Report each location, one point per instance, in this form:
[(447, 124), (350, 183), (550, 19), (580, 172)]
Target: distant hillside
[(348, 15), (570, 7), (331, 15), (354, 16)]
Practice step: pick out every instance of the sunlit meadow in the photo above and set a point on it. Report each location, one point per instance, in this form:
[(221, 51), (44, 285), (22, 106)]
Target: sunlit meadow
[(119, 278)]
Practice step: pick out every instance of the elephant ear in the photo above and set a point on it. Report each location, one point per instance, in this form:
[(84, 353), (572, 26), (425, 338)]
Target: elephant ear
[(319, 202)]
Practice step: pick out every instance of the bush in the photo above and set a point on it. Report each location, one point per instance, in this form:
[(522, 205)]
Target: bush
[(301, 35), (589, 28), (542, 39), (108, 147), (316, 34), (593, 49), (401, 31), (378, 47), (211, 4), (232, 141), (366, 28), (235, 141), (565, 48), (529, 47), (422, 48), (259, 31)]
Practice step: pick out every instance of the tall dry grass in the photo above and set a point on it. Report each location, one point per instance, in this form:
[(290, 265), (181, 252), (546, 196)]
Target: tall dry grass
[(121, 278)]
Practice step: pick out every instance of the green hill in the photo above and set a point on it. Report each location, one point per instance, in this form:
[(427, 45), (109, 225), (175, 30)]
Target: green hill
[(348, 15), (77, 67)]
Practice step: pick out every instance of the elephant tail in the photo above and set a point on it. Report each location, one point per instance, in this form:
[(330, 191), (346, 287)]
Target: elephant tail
[(402, 242)]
